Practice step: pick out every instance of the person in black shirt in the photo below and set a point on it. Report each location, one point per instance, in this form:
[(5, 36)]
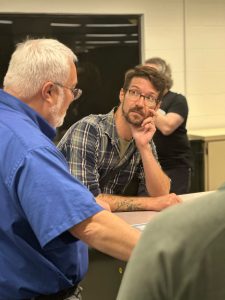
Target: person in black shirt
[(171, 139)]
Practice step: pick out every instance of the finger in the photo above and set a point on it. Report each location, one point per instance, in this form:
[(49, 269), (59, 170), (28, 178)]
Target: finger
[(149, 124), (148, 120), (152, 112)]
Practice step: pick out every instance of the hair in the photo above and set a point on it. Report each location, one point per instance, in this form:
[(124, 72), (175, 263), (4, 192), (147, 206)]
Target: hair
[(163, 68), (149, 73), (36, 61)]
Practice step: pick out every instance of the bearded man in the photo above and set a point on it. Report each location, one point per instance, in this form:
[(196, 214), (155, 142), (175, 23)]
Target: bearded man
[(114, 155)]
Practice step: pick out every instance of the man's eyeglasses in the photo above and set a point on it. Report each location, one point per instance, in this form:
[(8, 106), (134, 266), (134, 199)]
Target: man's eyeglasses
[(136, 95), (76, 92)]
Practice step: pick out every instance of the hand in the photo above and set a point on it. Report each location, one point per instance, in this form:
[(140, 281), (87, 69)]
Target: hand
[(143, 134), (165, 201)]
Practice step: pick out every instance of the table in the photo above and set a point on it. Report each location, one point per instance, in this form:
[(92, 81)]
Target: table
[(143, 217)]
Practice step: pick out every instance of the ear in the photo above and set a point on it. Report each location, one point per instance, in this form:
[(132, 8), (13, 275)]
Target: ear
[(121, 95), (47, 91)]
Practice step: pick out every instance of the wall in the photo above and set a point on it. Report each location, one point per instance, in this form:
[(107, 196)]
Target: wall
[(190, 34), (205, 62)]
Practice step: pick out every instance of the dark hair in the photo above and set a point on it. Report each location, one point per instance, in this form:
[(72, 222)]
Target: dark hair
[(163, 68), (157, 79)]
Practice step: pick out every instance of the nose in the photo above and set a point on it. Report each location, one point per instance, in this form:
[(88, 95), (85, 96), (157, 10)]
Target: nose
[(141, 100)]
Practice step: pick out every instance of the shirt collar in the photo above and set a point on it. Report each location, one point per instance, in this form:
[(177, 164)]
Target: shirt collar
[(110, 126), (15, 104)]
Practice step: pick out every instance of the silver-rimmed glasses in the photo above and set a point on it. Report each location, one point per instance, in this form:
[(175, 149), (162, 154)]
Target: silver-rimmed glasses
[(76, 92)]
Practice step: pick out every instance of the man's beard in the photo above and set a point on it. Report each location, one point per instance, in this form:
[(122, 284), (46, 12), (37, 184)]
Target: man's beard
[(132, 121), (58, 118)]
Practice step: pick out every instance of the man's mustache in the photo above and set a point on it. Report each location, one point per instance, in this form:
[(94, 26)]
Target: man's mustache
[(136, 110)]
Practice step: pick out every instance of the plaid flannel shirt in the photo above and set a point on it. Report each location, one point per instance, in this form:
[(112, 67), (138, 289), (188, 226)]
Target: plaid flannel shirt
[(91, 147)]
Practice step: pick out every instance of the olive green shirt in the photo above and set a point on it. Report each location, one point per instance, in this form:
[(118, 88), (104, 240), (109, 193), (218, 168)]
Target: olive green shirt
[(181, 254)]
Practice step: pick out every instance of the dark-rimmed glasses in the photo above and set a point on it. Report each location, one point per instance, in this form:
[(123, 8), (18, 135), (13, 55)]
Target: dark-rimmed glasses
[(76, 92), (136, 95)]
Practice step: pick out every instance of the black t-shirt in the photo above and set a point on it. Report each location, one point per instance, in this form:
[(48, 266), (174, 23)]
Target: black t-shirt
[(174, 149)]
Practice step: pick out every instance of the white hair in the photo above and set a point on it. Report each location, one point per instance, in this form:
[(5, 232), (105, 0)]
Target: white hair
[(36, 61)]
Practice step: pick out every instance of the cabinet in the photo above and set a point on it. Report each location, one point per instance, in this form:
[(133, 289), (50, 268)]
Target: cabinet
[(197, 174), (213, 151)]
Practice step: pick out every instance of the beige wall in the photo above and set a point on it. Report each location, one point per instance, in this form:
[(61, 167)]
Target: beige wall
[(190, 34)]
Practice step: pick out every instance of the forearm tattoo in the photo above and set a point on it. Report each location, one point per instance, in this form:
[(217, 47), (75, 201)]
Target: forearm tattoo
[(128, 204)]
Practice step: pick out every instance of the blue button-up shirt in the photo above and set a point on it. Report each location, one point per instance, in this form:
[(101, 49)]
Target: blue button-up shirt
[(39, 202)]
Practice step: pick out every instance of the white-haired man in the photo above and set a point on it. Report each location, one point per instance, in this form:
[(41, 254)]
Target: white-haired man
[(46, 212)]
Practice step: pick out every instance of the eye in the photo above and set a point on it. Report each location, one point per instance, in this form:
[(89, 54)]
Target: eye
[(150, 98), (134, 93)]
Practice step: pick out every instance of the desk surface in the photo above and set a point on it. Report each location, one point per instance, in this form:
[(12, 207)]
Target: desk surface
[(142, 217), (212, 134)]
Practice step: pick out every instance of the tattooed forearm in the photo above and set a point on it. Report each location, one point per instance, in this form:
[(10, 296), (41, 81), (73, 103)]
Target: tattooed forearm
[(123, 203), (128, 204)]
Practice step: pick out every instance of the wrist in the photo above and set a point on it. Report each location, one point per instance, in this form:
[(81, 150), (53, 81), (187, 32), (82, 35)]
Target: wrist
[(145, 148)]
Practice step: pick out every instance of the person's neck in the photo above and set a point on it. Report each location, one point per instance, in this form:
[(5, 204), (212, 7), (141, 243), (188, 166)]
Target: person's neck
[(30, 102), (165, 92), (122, 126), (33, 102)]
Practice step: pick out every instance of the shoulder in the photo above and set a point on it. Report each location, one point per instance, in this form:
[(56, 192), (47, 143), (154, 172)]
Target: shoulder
[(91, 122), (205, 213), (88, 130), (96, 124), (172, 96), (26, 135), (86, 126), (185, 234), (174, 102)]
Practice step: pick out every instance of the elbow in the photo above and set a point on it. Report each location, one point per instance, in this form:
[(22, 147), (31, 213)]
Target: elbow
[(166, 130)]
